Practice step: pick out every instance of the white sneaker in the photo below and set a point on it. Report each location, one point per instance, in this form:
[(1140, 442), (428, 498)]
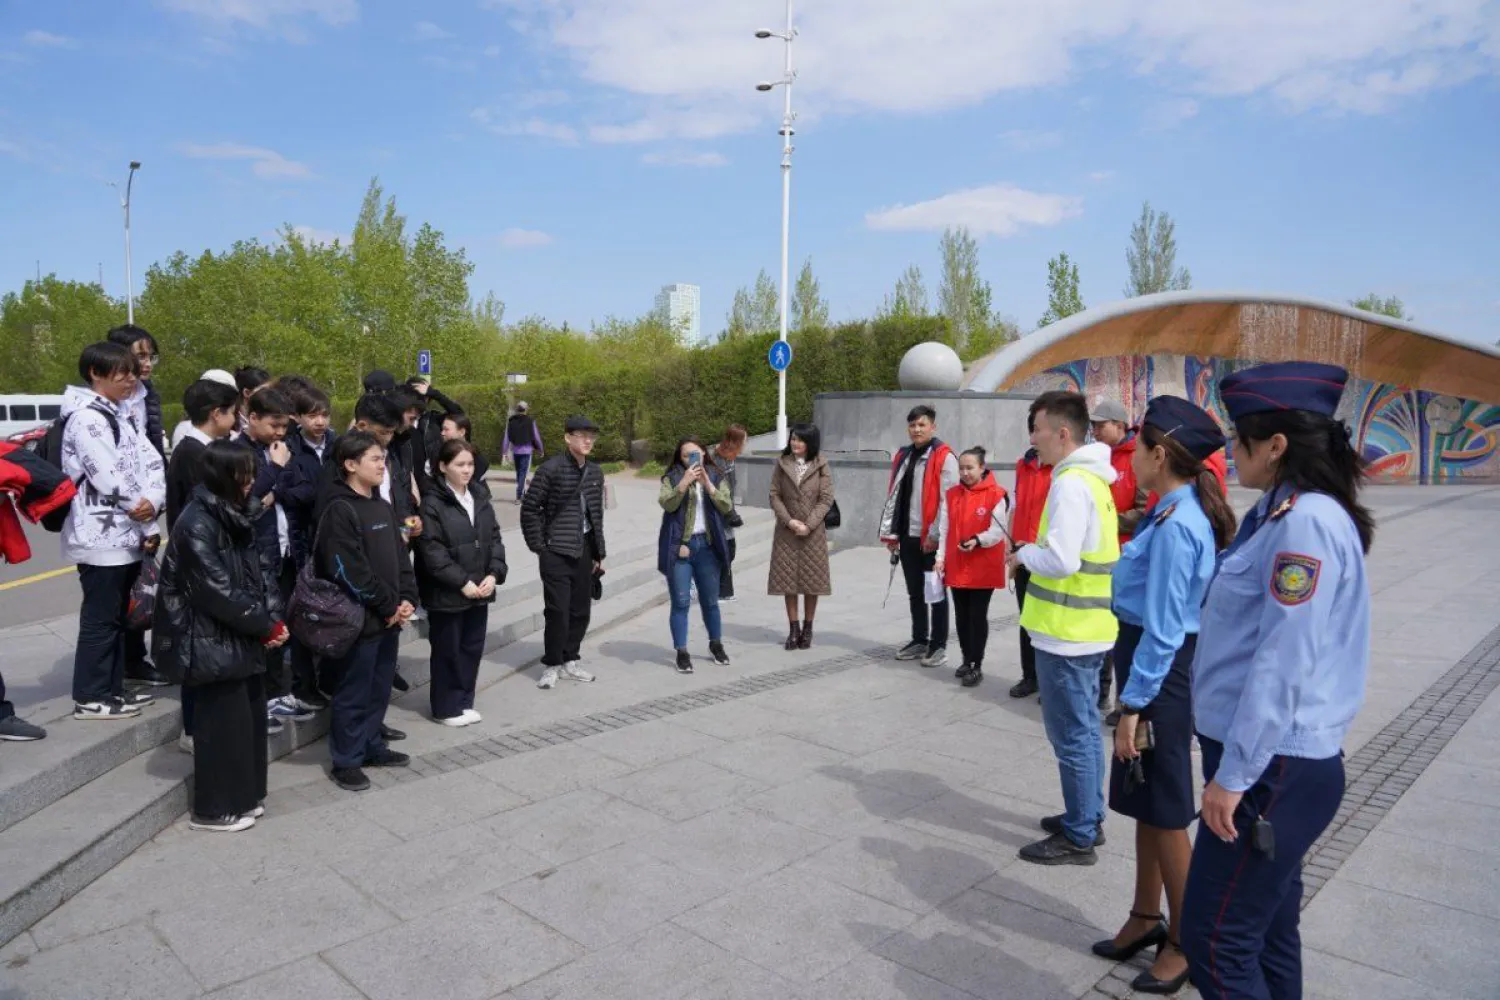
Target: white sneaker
[(937, 658), (258, 811), (455, 721), (221, 824), (549, 679), (104, 710), (185, 743), (573, 672), (472, 716)]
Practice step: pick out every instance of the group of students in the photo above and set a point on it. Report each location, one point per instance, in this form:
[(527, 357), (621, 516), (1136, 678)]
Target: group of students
[(258, 492), (1129, 567)]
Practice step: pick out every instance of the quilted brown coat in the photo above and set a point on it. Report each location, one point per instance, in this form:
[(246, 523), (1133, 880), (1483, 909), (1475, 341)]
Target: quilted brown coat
[(799, 565)]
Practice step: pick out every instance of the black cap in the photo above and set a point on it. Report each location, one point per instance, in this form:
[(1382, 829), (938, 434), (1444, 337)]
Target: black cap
[(379, 381), (1190, 426), (578, 422)]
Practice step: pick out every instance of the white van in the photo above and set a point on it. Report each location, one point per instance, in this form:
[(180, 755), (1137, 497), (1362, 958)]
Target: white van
[(24, 419)]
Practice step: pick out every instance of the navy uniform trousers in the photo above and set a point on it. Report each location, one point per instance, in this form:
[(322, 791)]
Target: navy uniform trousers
[(1241, 911)]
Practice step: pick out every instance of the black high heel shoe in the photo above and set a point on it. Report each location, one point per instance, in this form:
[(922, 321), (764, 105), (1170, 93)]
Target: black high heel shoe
[(1147, 983), (1155, 937)]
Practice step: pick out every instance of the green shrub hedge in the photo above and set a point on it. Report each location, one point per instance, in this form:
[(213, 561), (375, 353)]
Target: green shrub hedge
[(698, 391)]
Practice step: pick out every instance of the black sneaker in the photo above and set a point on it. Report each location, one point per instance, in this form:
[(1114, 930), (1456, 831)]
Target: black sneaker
[(390, 735), (221, 824), (912, 651), (350, 779), (400, 683), (1023, 688), (1054, 825), (973, 677), (145, 673), (716, 650), (18, 730), (1058, 850), (684, 662), (963, 668), (387, 758)]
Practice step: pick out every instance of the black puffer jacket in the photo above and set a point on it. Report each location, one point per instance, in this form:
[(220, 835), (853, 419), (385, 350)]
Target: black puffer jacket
[(453, 551), (210, 602), (154, 429), (552, 516)]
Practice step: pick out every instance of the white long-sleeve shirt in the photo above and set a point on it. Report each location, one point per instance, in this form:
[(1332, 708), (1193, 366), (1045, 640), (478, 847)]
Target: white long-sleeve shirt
[(1073, 528)]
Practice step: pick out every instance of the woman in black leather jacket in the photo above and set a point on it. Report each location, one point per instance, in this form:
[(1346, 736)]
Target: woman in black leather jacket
[(211, 629), (460, 562)]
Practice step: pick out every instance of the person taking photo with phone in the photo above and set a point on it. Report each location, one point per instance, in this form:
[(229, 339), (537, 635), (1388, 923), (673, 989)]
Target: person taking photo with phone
[(693, 546)]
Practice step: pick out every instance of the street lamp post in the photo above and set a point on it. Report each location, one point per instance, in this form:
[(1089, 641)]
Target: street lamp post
[(125, 205), (787, 118)]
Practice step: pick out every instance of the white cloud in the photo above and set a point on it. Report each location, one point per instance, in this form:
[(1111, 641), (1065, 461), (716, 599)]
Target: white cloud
[(993, 210), (536, 127), (1171, 113), (426, 31), (862, 55), (1100, 176), (685, 159), (521, 239), (47, 40), (312, 234), (264, 163), (283, 17), (1030, 140)]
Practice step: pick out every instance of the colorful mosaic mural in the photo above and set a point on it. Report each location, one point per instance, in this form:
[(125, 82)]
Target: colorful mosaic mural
[(1404, 433)]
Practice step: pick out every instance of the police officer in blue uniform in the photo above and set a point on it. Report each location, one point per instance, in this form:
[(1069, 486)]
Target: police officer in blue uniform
[(1278, 676), (1159, 584)]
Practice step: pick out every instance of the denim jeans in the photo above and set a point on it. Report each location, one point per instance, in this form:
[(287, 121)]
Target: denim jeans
[(700, 567), (523, 465), (1070, 712)]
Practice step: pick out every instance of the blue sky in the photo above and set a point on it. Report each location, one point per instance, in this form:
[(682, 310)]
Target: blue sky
[(585, 152)]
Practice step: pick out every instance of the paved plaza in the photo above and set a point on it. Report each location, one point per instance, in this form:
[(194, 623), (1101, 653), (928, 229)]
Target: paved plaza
[(797, 826)]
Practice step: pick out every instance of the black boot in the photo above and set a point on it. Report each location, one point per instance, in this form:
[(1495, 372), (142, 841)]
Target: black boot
[(804, 640), (1023, 688), (794, 635), (974, 676)]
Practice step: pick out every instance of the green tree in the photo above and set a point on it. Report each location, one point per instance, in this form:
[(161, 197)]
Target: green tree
[(1388, 306), (45, 326), (1152, 256), (909, 299), (1063, 299), (964, 298), (755, 310), (809, 308)]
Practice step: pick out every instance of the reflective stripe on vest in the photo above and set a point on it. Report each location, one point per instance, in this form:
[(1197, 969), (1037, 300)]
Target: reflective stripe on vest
[(1077, 608)]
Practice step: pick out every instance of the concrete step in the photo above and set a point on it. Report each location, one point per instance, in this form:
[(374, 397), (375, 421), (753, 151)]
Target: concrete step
[(54, 849)]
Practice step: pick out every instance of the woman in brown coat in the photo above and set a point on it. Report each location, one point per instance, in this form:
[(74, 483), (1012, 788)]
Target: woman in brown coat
[(801, 495)]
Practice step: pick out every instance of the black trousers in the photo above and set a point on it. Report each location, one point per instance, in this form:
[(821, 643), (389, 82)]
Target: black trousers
[(726, 574), (914, 564), (1028, 655), (99, 658), (971, 619), (457, 640), (359, 701), (229, 748), (6, 708), (567, 595), (278, 666)]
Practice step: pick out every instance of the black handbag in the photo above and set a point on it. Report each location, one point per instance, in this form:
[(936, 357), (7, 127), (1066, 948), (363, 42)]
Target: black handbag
[(833, 518), (320, 614)]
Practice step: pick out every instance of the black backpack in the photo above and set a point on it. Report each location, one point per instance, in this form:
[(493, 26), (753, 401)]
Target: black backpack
[(50, 451)]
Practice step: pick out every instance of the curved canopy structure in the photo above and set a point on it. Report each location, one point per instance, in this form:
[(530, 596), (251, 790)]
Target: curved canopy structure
[(1254, 328)]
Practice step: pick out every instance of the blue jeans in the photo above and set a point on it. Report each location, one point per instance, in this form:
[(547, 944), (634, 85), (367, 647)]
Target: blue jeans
[(1070, 712), (364, 689), (523, 465), (700, 567)]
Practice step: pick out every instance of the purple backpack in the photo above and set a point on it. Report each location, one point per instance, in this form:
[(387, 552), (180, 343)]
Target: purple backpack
[(321, 614)]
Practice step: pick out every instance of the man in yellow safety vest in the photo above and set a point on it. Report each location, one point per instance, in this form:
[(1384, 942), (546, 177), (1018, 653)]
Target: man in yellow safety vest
[(1068, 617)]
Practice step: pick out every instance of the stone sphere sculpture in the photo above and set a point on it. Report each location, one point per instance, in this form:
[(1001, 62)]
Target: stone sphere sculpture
[(931, 367)]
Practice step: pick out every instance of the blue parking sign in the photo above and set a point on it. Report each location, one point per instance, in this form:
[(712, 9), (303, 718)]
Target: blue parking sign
[(780, 356), (424, 362)]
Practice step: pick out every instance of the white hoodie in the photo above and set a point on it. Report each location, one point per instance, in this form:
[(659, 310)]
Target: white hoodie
[(99, 532), (1072, 529)]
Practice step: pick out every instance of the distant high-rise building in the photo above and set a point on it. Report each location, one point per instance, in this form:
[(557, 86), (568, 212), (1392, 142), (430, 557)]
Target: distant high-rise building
[(678, 305)]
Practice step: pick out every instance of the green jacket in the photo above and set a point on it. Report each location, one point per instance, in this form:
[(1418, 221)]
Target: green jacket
[(670, 499)]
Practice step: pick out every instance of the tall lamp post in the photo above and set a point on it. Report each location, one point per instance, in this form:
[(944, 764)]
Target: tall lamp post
[(789, 76), (125, 205)]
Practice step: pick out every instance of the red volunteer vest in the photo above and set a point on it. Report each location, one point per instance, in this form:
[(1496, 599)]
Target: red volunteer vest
[(932, 483), (970, 512), (1033, 481)]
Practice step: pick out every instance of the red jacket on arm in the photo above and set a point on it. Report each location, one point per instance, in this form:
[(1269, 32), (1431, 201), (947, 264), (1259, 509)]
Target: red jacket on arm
[(1127, 494), (33, 486), (1033, 481)]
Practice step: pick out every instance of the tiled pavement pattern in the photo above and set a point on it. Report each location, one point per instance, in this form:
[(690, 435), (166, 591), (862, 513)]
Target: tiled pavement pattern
[(846, 830)]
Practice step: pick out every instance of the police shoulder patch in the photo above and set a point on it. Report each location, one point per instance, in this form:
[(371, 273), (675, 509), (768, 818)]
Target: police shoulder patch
[(1162, 517), (1294, 577)]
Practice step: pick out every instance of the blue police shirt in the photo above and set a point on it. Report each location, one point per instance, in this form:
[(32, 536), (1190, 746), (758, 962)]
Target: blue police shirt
[(1285, 641), (1159, 584)]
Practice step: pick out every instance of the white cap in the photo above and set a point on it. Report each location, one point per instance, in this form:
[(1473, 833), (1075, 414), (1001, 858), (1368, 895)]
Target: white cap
[(220, 376), (523, 406)]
